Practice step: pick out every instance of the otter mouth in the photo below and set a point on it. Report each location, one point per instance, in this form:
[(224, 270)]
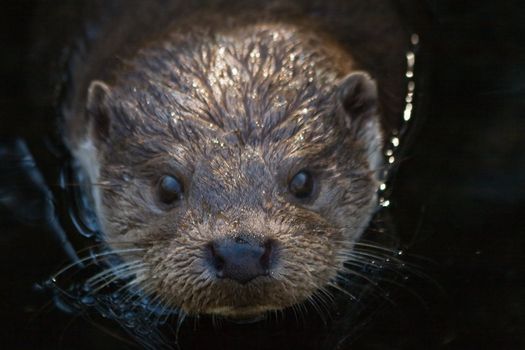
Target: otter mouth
[(246, 319), (242, 314), (245, 301)]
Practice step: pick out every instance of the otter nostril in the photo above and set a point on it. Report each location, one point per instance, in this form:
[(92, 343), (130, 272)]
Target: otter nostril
[(240, 259)]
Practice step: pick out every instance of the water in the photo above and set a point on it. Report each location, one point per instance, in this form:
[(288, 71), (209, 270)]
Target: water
[(454, 203)]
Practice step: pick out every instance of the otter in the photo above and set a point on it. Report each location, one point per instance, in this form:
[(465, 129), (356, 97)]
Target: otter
[(232, 157)]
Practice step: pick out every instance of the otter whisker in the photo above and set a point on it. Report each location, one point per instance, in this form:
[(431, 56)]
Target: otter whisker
[(116, 278), (342, 290), (93, 257), (181, 317), (159, 306), (103, 246), (373, 245), (390, 262), (312, 299), (297, 313), (404, 287), (360, 275), (329, 297), (373, 259), (135, 281), (374, 254), (113, 270)]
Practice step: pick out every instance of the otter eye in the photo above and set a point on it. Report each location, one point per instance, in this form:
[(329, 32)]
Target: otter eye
[(302, 184), (169, 189)]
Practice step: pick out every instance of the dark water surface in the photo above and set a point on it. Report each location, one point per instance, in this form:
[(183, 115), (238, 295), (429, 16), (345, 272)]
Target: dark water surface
[(458, 201)]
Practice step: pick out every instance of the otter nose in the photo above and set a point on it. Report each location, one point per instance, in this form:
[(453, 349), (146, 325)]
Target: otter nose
[(241, 259)]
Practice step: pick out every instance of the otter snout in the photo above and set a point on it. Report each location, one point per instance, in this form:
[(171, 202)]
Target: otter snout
[(241, 258)]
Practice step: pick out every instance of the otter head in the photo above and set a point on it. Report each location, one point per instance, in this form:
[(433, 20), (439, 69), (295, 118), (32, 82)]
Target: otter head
[(240, 166)]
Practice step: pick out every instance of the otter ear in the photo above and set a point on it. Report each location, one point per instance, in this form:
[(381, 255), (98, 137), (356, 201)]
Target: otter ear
[(97, 109), (359, 98), (358, 95)]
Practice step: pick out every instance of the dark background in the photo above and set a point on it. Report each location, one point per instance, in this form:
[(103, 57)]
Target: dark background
[(458, 197)]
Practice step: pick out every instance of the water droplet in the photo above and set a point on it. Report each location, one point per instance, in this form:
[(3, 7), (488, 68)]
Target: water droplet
[(88, 300), (408, 112), (411, 58), (414, 39), (395, 141)]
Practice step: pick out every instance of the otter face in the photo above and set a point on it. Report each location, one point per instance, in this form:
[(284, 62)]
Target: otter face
[(242, 166)]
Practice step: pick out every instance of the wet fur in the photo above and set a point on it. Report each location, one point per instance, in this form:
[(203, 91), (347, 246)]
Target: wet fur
[(234, 111)]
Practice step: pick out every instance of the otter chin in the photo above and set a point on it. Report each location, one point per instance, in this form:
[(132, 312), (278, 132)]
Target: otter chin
[(232, 167)]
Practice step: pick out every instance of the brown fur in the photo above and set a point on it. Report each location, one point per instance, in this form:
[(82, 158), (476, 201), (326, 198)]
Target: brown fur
[(234, 112)]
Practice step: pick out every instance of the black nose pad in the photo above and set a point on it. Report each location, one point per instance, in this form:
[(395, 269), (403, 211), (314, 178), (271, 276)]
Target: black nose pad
[(240, 259)]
